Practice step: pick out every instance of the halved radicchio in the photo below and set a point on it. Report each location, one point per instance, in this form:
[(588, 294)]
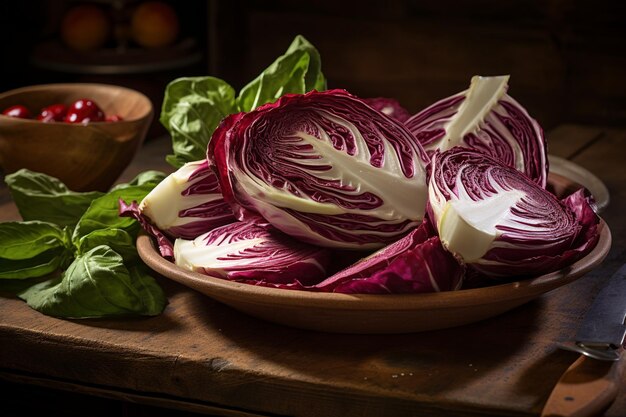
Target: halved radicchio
[(323, 167), (501, 223)]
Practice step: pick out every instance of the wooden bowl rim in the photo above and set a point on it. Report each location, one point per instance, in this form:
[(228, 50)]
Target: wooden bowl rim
[(77, 86)]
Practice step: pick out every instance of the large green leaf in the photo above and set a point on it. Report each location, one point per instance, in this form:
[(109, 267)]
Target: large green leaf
[(192, 109), (32, 249), (298, 71), (24, 240), (96, 284), (103, 213), (119, 240), (42, 197), (39, 265), (150, 293)]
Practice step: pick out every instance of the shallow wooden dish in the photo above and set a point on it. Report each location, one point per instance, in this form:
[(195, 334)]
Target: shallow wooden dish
[(343, 313), (85, 157)]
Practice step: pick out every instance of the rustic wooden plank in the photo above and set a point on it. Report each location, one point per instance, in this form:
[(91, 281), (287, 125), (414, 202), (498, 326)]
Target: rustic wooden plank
[(8, 212), (203, 351), (567, 140)]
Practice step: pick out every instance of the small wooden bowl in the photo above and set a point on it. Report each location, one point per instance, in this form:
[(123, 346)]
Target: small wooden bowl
[(85, 157)]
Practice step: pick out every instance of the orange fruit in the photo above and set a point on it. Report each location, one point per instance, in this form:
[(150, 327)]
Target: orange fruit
[(85, 27), (154, 24)]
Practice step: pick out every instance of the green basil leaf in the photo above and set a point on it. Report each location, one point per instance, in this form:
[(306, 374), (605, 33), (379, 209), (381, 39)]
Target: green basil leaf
[(314, 79), (147, 177), (39, 265), (96, 284), (150, 293), (42, 197), (286, 75), (119, 240), (192, 109), (103, 213), (25, 240), (297, 71)]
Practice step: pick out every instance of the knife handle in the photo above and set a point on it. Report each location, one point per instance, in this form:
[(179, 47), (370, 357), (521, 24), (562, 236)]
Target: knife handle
[(586, 389)]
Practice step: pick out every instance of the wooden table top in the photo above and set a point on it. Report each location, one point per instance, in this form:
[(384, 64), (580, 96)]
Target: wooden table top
[(202, 356)]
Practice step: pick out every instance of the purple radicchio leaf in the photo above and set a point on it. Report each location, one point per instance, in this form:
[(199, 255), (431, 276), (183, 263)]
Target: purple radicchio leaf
[(245, 252), (582, 204), (499, 222), (427, 267), (324, 168), (166, 249), (415, 263), (188, 202), (380, 259), (485, 118), (389, 106)]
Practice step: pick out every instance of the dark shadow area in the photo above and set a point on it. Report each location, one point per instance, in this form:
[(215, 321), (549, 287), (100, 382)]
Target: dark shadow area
[(18, 401), (534, 377)]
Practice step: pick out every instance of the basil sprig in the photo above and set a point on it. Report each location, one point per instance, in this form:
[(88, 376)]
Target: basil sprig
[(81, 235), (97, 284), (194, 106)]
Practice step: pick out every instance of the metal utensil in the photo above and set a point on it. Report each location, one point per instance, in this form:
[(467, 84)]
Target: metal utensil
[(591, 383)]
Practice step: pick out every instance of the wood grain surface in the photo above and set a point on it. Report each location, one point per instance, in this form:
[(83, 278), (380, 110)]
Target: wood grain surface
[(203, 356)]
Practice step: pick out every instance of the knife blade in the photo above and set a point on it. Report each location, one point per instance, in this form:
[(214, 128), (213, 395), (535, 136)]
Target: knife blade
[(591, 383)]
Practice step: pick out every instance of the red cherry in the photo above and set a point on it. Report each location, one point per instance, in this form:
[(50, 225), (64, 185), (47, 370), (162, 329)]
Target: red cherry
[(84, 111), (17, 111), (113, 118), (53, 113)]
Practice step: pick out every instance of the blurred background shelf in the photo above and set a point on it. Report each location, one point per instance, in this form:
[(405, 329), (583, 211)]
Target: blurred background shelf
[(53, 55)]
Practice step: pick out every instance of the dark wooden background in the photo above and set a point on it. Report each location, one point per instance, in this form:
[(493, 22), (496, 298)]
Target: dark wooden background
[(567, 58)]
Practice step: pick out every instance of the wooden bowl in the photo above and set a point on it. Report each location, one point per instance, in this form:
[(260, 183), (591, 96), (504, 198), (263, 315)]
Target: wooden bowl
[(85, 157), (365, 313)]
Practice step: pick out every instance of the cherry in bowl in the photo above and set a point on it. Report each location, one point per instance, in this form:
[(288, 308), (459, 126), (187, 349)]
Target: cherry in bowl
[(84, 111), (18, 111), (53, 113)]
